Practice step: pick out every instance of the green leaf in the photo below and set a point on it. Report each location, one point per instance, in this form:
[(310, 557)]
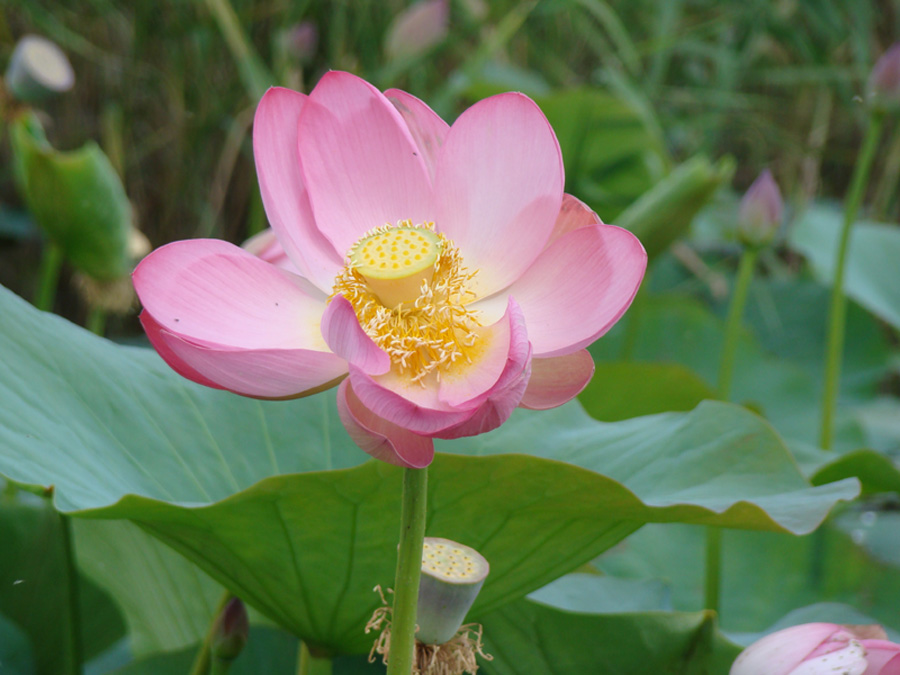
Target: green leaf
[(34, 590), (872, 276), (77, 198), (270, 499), (785, 572), (876, 471), (664, 213), (539, 636), (167, 601), (625, 389), (15, 650)]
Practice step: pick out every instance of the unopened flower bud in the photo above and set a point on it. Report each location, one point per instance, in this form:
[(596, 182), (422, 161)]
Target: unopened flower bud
[(760, 212), (452, 576), (417, 29), (820, 649), (300, 41), (231, 631), (883, 90), (37, 70)]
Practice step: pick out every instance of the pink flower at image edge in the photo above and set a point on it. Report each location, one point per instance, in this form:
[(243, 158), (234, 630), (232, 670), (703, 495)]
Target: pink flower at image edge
[(524, 276), (820, 649)]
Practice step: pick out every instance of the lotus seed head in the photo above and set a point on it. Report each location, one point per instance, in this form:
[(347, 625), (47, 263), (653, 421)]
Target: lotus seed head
[(450, 561)]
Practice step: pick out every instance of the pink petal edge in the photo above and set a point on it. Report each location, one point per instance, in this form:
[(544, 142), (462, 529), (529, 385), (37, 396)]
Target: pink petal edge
[(346, 338), (275, 129), (359, 161), (427, 128), (380, 438), (557, 380), (499, 187)]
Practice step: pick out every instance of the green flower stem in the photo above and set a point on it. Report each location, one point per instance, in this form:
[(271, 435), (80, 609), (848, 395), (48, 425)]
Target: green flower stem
[(733, 322), (838, 309), (307, 664), (220, 666), (96, 321), (202, 660), (49, 277), (74, 651), (409, 569), (713, 581)]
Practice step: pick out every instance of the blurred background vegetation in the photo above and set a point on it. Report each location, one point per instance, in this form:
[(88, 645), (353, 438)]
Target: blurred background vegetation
[(633, 88)]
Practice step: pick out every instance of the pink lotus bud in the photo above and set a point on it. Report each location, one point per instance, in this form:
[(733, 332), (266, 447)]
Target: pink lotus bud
[(760, 212), (821, 649), (231, 631), (417, 29), (884, 82), (301, 41)]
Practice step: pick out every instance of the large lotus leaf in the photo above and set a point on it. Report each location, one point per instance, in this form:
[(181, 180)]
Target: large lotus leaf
[(270, 499), (872, 276), (678, 329), (784, 572), (624, 389), (876, 471), (77, 198), (547, 635), (166, 600), (15, 649), (34, 590)]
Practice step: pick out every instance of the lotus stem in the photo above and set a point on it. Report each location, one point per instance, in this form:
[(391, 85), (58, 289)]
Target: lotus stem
[(74, 651), (51, 263), (409, 569), (733, 321), (308, 664), (838, 308), (202, 660)]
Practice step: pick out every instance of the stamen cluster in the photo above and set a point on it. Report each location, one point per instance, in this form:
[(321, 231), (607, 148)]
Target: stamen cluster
[(430, 333)]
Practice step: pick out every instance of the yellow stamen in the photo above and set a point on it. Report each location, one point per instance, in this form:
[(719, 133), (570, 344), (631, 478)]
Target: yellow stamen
[(417, 311)]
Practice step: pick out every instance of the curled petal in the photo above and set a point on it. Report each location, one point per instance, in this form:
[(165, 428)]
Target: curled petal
[(359, 161), (259, 373), (346, 338), (484, 388), (380, 438), (427, 128), (284, 194), (573, 214), (160, 344), (557, 380), (498, 187), (579, 287)]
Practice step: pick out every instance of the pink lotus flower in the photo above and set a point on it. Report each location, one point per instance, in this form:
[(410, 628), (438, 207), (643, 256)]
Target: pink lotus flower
[(820, 649), (499, 280)]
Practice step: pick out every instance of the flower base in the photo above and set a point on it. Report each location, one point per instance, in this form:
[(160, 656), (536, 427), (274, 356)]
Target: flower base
[(454, 657)]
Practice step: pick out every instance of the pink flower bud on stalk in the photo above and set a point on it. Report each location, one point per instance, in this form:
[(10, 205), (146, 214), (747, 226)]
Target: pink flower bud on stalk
[(417, 29), (760, 212), (883, 90), (301, 41), (37, 70), (231, 631), (821, 649)]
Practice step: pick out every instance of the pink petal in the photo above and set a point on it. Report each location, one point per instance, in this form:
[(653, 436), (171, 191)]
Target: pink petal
[(265, 246), (212, 292), (160, 344), (359, 161), (346, 338), (380, 438), (578, 288), (848, 659), (498, 187), (260, 373), (275, 129), (447, 404), (427, 128), (882, 656), (573, 214), (498, 403), (779, 653), (557, 380)]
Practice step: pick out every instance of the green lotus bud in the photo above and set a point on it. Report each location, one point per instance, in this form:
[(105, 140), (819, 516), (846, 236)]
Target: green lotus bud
[(452, 576), (37, 70), (77, 198), (883, 90), (231, 631)]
